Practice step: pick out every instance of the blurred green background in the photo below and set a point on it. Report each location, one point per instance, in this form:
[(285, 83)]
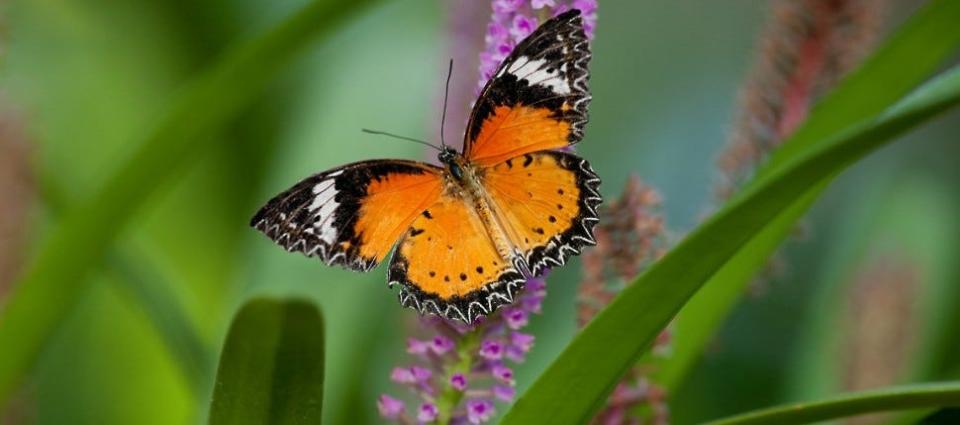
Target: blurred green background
[(83, 79)]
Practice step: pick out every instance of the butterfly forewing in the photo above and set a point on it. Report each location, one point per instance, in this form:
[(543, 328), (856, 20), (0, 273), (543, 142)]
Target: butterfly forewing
[(537, 99), (352, 215)]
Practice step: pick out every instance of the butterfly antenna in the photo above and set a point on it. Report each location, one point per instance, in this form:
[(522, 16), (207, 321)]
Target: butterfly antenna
[(446, 95), (410, 139)]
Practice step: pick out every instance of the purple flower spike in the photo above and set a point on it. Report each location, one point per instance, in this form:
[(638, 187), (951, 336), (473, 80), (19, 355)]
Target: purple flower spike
[(479, 411), (458, 382), (504, 393), (516, 318), (491, 350), (427, 413), (389, 407), (502, 373)]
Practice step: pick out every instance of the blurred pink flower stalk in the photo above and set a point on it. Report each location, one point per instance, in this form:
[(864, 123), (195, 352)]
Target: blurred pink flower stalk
[(630, 236)]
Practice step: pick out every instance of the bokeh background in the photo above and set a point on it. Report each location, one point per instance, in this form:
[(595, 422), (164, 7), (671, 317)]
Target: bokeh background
[(861, 299)]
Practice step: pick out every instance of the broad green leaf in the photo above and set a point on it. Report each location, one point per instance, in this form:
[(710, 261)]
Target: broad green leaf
[(578, 382), (57, 275), (923, 42), (271, 367), (882, 400)]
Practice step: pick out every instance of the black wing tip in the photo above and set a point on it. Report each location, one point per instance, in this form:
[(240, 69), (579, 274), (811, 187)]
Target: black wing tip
[(570, 14), (322, 251), (468, 308)]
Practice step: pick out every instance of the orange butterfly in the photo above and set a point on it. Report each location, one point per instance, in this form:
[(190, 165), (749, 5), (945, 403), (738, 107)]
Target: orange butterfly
[(471, 232)]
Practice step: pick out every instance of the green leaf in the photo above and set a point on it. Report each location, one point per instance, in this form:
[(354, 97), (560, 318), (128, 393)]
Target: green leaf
[(57, 275), (578, 382), (923, 42), (271, 368), (882, 400)]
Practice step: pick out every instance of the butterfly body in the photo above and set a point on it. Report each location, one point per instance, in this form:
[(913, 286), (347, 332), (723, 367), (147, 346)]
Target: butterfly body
[(469, 233)]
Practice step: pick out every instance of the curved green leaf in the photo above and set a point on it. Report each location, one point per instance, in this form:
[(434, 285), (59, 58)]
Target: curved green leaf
[(57, 275), (271, 367), (923, 42), (882, 400), (578, 382)]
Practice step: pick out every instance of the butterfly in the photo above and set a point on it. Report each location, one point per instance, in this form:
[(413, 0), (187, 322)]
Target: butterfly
[(468, 233)]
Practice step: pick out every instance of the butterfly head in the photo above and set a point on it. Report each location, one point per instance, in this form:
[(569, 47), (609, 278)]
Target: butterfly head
[(451, 159)]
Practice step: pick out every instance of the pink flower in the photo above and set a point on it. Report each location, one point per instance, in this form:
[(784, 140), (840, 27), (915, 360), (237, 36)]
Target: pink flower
[(504, 393), (420, 374), (389, 407), (441, 345), (514, 353), (491, 350), (540, 4), (522, 27), (411, 375), (458, 382), (496, 33), (415, 346), (479, 411), (516, 318), (502, 373), (506, 6), (522, 341), (402, 375), (427, 412), (536, 285), (533, 303)]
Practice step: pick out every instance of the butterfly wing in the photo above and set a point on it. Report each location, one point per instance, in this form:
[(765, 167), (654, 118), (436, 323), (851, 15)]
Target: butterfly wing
[(547, 202), (352, 215), (538, 97), (447, 264)]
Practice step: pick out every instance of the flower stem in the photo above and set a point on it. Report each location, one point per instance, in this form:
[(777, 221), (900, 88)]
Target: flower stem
[(449, 399)]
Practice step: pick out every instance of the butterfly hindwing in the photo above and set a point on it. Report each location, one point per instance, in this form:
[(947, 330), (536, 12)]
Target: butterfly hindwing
[(538, 97), (351, 215), (447, 264), (547, 202)]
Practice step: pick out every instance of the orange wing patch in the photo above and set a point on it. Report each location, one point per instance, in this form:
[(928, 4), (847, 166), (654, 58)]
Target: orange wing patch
[(547, 203), (391, 204), (448, 264), (512, 131)]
